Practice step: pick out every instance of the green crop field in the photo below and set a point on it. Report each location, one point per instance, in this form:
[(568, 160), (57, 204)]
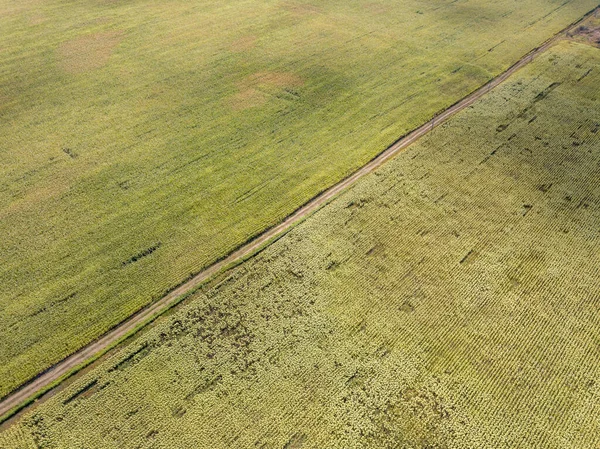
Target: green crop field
[(142, 140), (448, 300)]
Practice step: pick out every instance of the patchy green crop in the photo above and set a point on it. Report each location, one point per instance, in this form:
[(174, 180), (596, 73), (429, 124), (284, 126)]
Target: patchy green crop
[(142, 140), (448, 300)]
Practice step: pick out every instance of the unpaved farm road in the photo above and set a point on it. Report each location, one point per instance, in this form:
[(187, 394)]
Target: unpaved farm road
[(11, 403)]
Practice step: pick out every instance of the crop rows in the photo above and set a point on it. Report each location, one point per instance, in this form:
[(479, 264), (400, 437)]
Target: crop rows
[(143, 140), (447, 300)]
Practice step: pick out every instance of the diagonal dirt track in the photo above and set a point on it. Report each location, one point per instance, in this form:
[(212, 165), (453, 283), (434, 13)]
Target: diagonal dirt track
[(68, 366)]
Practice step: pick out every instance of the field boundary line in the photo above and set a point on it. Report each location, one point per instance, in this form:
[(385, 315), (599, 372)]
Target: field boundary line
[(30, 391)]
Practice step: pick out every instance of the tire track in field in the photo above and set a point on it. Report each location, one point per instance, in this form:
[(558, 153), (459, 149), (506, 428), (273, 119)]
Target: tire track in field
[(21, 397)]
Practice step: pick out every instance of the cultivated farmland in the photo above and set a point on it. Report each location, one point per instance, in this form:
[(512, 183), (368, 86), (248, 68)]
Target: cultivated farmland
[(142, 140), (448, 300)]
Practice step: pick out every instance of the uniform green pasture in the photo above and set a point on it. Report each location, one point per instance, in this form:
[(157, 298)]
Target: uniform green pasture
[(448, 300), (142, 140)]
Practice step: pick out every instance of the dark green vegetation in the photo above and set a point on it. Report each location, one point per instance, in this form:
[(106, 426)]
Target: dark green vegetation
[(449, 300), (142, 140)]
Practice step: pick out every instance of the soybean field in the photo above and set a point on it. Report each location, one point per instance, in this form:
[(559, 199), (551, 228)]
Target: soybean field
[(448, 300)]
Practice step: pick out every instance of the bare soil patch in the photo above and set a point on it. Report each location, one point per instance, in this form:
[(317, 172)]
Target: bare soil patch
[(88, 52), (588, 31)]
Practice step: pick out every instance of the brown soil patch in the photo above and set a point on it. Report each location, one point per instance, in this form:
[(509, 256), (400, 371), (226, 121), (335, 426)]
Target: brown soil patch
[(244, 44), (254, 90), (588, 31), (89, 52)]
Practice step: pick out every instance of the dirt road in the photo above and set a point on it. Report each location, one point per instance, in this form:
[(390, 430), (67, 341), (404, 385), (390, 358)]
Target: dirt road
[(69, 365)]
